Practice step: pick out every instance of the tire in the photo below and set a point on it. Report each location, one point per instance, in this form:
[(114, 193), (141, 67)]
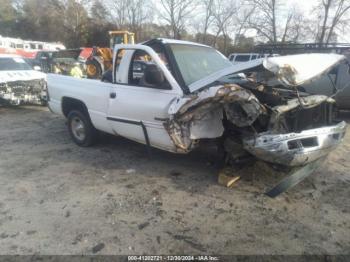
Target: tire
[(81, 129), (94, 70)]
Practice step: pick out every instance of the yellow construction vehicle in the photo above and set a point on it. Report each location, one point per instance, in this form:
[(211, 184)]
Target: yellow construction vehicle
[(121, 37), (101, 58)]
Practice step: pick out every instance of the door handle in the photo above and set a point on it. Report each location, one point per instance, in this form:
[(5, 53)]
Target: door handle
[(113, 95)]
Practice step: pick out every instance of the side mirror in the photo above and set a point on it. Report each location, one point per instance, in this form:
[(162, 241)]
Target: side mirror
[(153, 75)]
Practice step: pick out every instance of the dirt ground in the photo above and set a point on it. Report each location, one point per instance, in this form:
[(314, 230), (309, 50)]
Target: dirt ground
[(58, 198)]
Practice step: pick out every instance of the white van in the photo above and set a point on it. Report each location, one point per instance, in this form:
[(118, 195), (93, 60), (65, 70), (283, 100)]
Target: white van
[(236, 58)]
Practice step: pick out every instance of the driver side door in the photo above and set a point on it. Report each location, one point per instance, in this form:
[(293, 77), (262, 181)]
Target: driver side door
[(137, 110)]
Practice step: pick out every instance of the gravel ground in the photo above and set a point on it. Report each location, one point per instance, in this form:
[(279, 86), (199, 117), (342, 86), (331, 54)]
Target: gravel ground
[(57, 198)]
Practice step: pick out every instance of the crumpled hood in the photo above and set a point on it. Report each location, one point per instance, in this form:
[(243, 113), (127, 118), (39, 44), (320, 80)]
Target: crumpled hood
[(20, 75), (294, 70), (291, 70)]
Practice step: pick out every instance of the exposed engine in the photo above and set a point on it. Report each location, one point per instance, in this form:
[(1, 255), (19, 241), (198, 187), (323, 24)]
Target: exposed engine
[(287, 110)]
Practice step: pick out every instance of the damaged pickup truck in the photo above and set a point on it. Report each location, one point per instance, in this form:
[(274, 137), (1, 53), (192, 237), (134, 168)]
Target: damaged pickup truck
[(173, 94), (19, 83)]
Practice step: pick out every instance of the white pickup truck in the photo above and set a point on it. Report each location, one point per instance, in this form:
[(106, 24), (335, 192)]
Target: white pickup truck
[(173, 94)]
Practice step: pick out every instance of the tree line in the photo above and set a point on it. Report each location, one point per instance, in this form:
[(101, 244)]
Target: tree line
[(223, 24)]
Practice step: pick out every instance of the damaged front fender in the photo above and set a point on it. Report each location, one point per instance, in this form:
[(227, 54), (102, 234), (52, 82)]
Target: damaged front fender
[(200, 115)]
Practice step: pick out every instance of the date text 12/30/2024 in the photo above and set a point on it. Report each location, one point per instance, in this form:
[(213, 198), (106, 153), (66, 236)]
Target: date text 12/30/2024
[(173, 258)]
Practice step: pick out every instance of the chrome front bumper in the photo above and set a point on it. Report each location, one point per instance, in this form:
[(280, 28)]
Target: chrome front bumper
[(296, 149)]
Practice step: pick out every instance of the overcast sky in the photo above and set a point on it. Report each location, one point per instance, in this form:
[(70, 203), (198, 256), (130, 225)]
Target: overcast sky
[(304, 6), (307, 5)]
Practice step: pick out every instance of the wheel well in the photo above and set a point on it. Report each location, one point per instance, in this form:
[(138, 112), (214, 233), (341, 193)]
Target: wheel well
[(69, 104)]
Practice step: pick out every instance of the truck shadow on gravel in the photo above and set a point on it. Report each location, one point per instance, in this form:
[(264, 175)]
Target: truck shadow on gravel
[(193, 172)]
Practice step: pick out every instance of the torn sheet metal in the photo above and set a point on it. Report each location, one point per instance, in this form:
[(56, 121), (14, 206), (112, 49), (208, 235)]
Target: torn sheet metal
[(209, 126), (294, 70), (218, 95), (200, 115), (302, 102)]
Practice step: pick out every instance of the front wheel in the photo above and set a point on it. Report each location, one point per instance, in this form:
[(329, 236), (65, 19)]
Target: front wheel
[(81, 129)]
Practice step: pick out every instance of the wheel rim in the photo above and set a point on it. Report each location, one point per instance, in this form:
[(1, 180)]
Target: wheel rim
[(91, 70), (78, 128)]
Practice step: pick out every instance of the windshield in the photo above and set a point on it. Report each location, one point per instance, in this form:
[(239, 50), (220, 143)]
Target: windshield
[(197, 62), (13, 64)]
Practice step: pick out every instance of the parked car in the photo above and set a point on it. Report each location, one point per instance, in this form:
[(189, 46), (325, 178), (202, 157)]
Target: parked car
[(19, 83), (42, 61), (190, 92)]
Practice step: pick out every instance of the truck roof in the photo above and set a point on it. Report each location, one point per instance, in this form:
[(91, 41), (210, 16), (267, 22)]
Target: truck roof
[(174, 41)]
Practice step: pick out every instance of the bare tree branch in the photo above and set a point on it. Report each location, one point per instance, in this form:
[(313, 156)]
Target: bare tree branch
[(333, 13), (176, 14)]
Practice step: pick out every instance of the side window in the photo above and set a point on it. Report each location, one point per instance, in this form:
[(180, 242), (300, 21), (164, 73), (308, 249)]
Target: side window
[(254, 57), (145, 73), (242, 58), (138, 65)]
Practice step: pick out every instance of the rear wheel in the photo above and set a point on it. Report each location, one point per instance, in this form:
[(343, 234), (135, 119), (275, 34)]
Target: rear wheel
[(93, 69), (81, 129)]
